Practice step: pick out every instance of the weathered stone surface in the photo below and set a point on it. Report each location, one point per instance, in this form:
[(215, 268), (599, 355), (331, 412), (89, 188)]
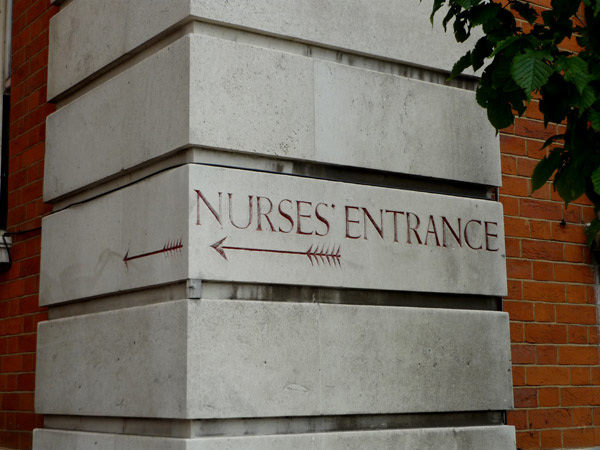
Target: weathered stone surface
[(467, 438), (218, 224), (213, 93), (203, 359), (88, 35)]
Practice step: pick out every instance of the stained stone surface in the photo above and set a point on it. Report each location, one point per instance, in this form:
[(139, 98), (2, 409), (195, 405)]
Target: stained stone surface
[(467, 438), (207, 359), (87, 35), (219, 224), (214, 93)]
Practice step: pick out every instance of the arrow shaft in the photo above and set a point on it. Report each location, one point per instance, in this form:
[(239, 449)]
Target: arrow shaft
[(264, 250), (155, 252)]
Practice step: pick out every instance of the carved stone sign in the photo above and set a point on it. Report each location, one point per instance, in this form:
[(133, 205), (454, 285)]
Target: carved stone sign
[(234, 225)]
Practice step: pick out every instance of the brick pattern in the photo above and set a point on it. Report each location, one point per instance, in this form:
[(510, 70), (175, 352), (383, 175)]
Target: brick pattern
[(551, 301), (19, 310)]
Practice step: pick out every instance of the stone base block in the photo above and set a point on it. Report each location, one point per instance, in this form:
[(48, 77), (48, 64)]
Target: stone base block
[(213, 359), (468, 438)]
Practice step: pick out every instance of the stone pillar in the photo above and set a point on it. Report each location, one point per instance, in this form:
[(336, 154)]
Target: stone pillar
[(272, 229)]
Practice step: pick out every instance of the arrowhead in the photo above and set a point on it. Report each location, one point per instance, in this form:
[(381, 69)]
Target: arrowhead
[(218, 247), (125, 258)]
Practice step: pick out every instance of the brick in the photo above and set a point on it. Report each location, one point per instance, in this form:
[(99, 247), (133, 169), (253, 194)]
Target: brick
[(582, 417), (510, 205), (580, 396), (547, 376), (515, 290), (591, 295), (551, 438), (519, 269), (512, 145), (537, 209), (518, 376), (513, 247), (574, 273), (545, 333), (525, 398), (577, 334), (516, 227), (26, 382), (593, 335), (534, 129), (549, 418), (525, 166), (519, 310), (516, 332), (577, 355), (545, 312), (543, 193), (528, 440), (575, 294), (548, 397), (543, 271), (509, 165), (543, 292), (596, 416), (576, 314), (523, 354), (581, 437), (568, 233), (542, 250), (517, 419), (573, 213), (515, 186), (580, 376)]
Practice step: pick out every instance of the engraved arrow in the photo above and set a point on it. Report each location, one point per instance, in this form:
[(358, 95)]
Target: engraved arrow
[(316, 254), (169, 247)]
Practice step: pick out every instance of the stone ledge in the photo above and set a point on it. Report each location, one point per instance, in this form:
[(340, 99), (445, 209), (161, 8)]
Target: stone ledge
[(472, 438)]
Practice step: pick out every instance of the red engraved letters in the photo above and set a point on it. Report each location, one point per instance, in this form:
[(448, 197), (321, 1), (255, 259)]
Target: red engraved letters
[(308, 218)]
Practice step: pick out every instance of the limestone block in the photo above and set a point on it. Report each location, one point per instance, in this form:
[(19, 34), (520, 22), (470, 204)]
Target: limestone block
[(467, 438), (209, 359), (219, 224), (88, 35), (214, 93)]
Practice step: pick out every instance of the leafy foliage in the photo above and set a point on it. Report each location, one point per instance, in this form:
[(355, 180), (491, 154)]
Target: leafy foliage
[(520, 45)]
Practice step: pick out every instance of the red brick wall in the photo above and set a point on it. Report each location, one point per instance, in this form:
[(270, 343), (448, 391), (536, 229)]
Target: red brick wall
[(551, 298), (19, 311), (551, 302)]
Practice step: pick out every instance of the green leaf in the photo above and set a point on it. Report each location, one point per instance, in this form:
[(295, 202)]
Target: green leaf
[(525, 11), (545, 168), (481, 14), (569, 183), (552, 139), (592, 230), (576, 71), (555, 103), (504, 44), (437, 4), (452, 12), (586, 99), (530, 71), (500, 114), (595, 120), (461, 65), (482, 50), (464, 3), (462, 29), (596, 180)]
